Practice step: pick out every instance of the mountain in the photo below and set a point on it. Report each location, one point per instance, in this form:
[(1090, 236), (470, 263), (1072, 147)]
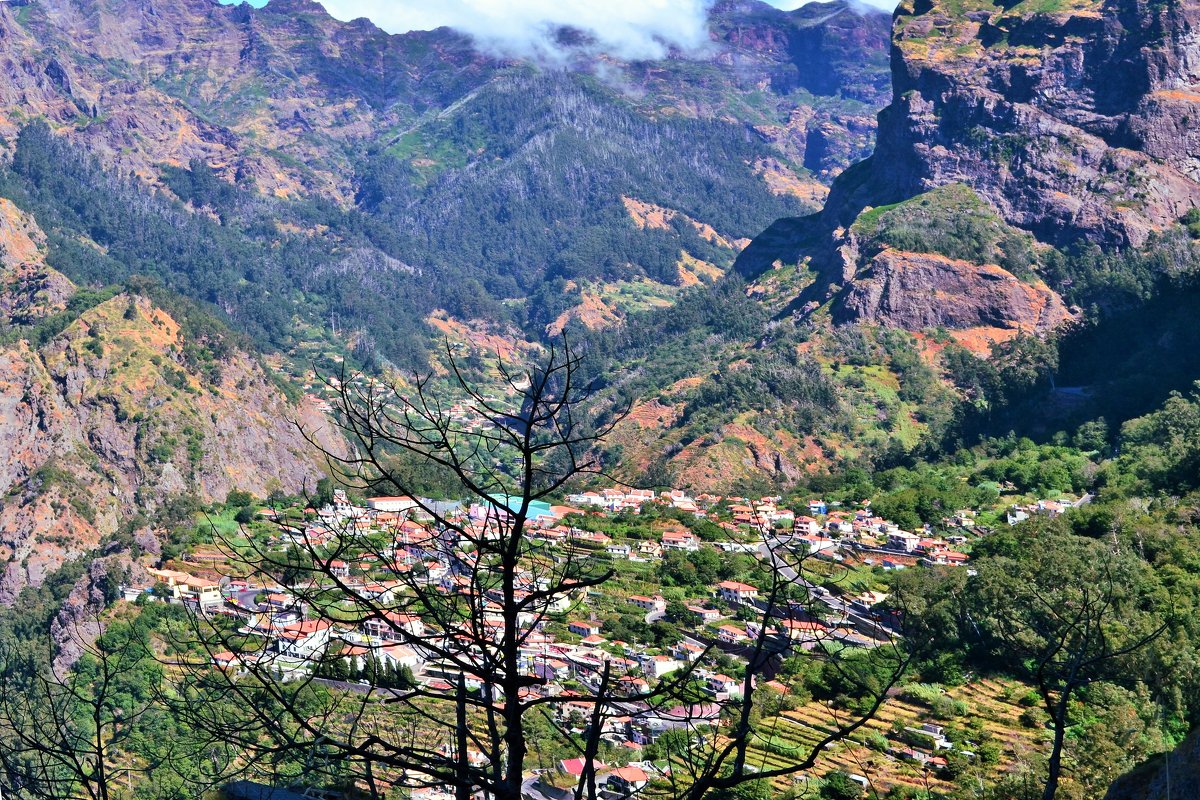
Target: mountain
[(417, 168), (1070, 121), (1031, 200), (269, 96), (188, 184)]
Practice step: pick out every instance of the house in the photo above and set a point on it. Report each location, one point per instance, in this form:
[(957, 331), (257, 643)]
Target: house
[(587, 499), (735, 592), (227, 660), (648, 604), (680, 540), (338, 569), (627, 780), (732, 634), (303, 639), (806, 525), (618, 550), (817, 507), (948, 557), (657, 666), (650, 549), (686, 651), (551, 669), (399, 655), (929, 735), (584, 628), (903, 541), (392, 626), (277, 601), (705, 614), (392, 505), (575, 766), (205, 593), (723, 685), (839, 527), (1051, 508), (802, 631), (865, 601)]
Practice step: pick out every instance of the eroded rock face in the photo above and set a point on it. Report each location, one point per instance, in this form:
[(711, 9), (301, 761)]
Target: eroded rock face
[(107, 419), (143, 84), (829, 49), (1075, 121), (1075, 124), (921, 290)]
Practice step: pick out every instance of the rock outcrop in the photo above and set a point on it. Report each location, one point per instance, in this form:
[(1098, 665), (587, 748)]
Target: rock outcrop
[(1075, 120), (916, 291)]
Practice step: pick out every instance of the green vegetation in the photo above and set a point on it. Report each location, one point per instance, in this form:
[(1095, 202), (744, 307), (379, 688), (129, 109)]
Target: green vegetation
[(952, 221)]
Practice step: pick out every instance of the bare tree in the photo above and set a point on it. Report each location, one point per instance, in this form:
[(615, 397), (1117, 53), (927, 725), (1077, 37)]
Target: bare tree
[(485, 698), (63, 732), (714, 762)]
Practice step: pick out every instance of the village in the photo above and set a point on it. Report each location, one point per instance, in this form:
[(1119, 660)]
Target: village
[(636, 624)]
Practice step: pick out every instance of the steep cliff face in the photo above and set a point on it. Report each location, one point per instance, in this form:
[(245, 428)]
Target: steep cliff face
[(810, 80), (116, 413), (1075, 119), (1072, 120), (916, 291)]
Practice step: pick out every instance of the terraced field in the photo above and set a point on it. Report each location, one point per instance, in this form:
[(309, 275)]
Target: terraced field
[(993, 709)]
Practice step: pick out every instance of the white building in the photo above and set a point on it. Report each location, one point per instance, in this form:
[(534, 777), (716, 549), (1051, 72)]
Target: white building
[(393, 505)]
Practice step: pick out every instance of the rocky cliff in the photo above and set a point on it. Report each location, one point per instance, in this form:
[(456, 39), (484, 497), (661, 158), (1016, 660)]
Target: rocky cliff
[(917, 291), (832, 52), (1072, 121), (114, 407), (1073, 118)]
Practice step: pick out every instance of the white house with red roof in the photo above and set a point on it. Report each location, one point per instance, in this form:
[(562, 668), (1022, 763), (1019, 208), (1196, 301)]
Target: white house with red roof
[(304, 639), (736, 592), (656, 603), (393, 626), (581, 628), (626, 781)]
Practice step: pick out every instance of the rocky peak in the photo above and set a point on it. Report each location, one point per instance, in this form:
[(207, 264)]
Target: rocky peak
[(1073, 120)]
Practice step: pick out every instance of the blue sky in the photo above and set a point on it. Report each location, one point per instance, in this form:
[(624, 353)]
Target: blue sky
[(628, 28)]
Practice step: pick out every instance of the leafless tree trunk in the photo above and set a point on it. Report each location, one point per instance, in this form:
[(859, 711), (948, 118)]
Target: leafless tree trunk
[(476, 626), (61, 734)]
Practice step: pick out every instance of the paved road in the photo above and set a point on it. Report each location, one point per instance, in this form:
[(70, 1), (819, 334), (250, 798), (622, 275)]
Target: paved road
[(531, 790), (817, 593)]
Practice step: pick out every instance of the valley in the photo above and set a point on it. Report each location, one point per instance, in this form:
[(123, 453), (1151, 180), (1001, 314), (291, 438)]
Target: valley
[(813, 412)]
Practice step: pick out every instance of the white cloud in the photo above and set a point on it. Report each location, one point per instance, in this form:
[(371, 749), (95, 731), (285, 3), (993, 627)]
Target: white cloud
[(632, 29)]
